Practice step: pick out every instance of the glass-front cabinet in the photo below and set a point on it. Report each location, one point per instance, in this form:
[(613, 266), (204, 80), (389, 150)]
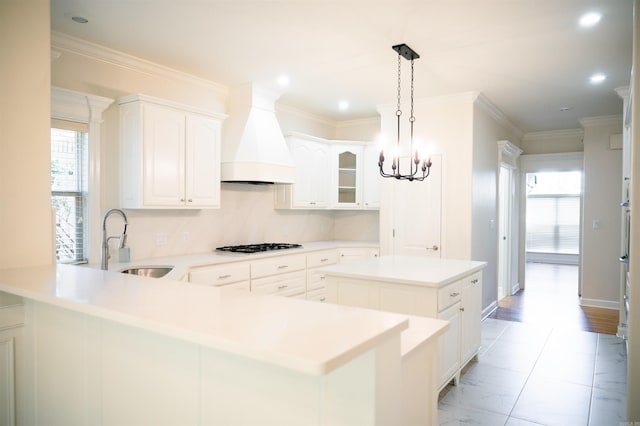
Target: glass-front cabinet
[(347, 172)]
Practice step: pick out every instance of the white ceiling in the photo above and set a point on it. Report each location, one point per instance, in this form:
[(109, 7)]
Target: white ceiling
[(529, 57)]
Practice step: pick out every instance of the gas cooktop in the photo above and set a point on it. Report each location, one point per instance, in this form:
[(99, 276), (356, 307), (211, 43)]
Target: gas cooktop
[(257, 248)]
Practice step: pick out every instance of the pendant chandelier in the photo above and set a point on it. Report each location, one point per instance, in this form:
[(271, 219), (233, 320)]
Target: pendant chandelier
[(416, 164)]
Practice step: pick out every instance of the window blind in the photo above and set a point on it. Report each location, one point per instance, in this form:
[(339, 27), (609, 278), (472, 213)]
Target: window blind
[(553, 224), (69, 193)]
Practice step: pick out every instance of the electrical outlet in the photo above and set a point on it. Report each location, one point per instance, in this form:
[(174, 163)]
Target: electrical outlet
[(161, 239)]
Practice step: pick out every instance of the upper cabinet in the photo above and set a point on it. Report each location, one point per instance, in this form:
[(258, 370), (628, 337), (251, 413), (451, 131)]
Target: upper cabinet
[(170, 155), (310, 191), (330, 175), (346, 166)]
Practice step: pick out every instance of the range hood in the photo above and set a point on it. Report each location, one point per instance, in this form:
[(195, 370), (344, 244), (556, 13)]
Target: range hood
[(253, 148)]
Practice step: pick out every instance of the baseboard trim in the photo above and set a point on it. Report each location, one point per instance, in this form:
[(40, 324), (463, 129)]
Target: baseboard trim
[(599, 303), (489, 309), (622, 331), (515, 288)]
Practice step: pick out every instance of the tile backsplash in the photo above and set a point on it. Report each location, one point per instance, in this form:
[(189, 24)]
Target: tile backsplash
[(246, 216)]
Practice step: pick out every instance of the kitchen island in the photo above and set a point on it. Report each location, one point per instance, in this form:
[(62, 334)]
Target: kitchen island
[(86, 346), (447, 289)]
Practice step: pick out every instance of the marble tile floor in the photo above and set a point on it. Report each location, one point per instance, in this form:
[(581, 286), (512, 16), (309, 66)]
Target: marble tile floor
[(529, 375)]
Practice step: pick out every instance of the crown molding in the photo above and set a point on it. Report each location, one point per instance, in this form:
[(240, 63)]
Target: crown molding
[(76, 106), (553, 134), (64, 42), (623, 92), (605, 120), (484, 102), (358, 122), (288, 109)]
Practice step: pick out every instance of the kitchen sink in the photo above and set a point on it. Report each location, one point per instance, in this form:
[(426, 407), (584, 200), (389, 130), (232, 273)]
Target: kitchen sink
[(148, 271)]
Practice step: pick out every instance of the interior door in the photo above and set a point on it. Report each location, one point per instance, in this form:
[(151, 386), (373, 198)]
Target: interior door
[(416, 209), (504, 235)]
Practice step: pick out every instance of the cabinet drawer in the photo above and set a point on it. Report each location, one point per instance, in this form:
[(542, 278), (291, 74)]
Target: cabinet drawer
[(221, 274), (315, 280), (449, 295), (277, 265), (322, 258), (317, 295), (289, 284)]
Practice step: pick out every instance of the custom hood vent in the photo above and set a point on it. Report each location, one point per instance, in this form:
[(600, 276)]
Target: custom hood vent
[(254, 149)]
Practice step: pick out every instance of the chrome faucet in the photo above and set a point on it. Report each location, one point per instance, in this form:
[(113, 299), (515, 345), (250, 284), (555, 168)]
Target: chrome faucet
[(104, 253)]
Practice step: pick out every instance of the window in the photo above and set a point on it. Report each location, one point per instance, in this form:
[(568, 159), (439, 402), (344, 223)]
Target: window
[(69, 189), (553, 212)]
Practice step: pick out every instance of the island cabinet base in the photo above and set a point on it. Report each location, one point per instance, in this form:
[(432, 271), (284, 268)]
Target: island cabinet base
[(92, 371), (457, 301)]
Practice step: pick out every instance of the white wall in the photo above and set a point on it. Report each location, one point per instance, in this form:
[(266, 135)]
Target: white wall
[(246, 214), (601, 201), (487, 131), (26, 228)]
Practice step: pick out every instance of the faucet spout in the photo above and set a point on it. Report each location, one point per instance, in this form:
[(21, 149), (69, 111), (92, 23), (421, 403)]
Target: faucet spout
[(104, 252)]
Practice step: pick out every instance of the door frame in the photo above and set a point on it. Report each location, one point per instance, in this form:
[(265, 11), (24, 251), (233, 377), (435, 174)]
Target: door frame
[(536, 163), (508, 155)]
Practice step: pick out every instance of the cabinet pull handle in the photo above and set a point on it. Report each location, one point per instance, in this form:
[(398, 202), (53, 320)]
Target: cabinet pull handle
[(474, 281), (322, 277), (281, 287), (224, 277), (324, 259), (462, 309), (454, 294), (190, 200), (322, 299), (434, 248), (182, 200), (283, 266)]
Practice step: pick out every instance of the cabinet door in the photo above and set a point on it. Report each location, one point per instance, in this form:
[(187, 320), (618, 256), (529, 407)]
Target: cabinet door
[(311, 189), (347, 177), (350, 254), (202, 162), (371, 177), (414, 229), (471, 316), (163, 156), (449, 345)]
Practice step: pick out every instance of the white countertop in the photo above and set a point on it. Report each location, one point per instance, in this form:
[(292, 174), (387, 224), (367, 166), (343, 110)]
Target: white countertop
[(308, 337), (182, 263), (412, 270)]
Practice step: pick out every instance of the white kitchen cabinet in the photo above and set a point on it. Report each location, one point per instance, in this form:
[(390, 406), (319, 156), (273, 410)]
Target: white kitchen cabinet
[(13, 383), (471, 317), (450, 346), (281, 275), (371, 177), (316, 287), (311, 189), (346, 168), (458, 302), (229, 276), (170, 155), (351, 254)]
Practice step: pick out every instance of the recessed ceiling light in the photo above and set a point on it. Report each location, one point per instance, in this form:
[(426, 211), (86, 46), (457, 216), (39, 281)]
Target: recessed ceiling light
[(343, 105), (283, 80), (590, 19), (597, 78), (79, 19)]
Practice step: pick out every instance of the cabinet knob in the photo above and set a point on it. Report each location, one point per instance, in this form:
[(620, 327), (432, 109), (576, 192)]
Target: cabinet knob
[(190, 200), (182, 200), (462, 309)]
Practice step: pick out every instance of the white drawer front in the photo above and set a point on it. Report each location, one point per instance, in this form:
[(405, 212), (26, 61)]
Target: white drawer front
[(277, 265), (290, 284), (315, 280), (221, 274), (317, 295), (322, 258), (449, 295)]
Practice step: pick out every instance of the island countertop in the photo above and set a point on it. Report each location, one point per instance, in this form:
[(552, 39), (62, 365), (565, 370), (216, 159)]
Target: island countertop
[(312, 338), (411, 270)]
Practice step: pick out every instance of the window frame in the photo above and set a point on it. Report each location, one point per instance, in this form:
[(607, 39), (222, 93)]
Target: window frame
[(86, 108)]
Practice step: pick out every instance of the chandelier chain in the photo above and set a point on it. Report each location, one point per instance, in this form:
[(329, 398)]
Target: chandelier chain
[(398, 110)]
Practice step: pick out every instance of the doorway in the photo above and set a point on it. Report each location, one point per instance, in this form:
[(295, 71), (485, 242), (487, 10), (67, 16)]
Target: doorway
[(552, 228)]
